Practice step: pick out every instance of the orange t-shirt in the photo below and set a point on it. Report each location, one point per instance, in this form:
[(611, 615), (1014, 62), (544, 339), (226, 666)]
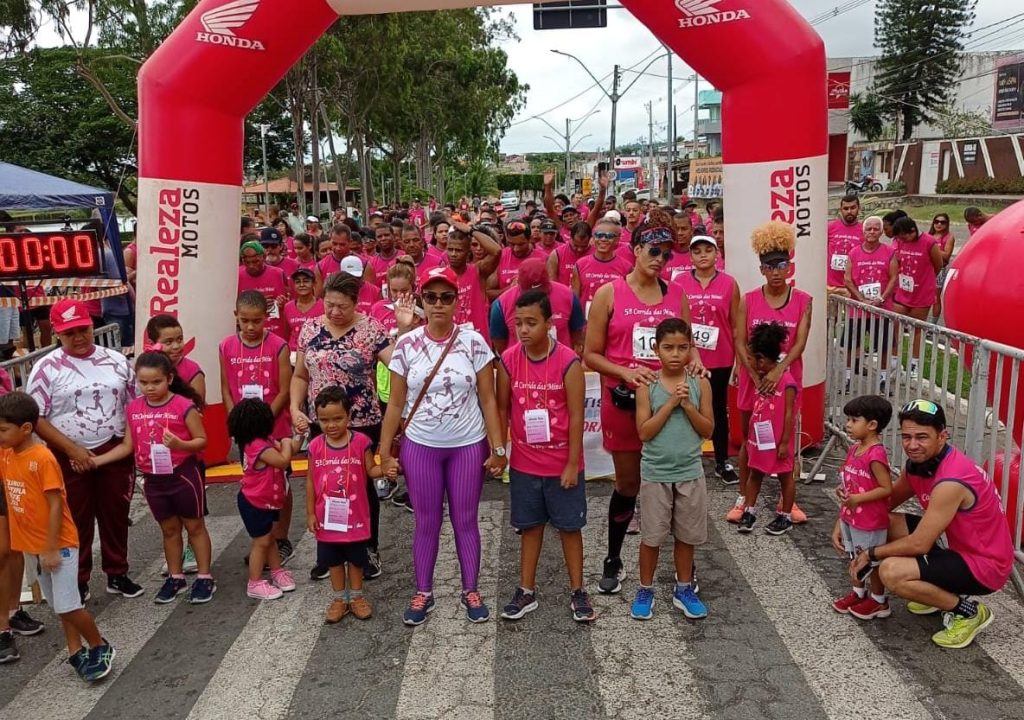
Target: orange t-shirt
[(27, 477)]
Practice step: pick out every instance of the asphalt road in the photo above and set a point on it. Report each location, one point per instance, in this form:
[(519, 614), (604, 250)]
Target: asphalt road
[(771, 647)]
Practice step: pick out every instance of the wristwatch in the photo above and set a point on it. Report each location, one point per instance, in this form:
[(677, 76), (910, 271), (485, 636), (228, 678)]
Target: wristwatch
[(498, 452), (871, 554)]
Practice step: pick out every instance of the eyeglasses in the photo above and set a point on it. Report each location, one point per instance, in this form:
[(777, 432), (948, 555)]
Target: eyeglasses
[(925, 406), (445, 298), (601, 235), (781, 265), (657, 251)]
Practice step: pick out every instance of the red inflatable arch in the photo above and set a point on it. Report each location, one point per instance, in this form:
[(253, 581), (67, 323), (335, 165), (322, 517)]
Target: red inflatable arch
[(196, 89)]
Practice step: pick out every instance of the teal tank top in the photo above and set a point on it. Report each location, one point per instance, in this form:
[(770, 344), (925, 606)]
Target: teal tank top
[(674, 454)]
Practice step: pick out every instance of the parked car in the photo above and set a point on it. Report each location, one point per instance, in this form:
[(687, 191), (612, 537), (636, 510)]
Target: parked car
[(510, 200)]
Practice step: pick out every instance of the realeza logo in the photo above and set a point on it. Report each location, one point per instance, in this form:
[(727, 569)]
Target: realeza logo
[(222, 22), (698, 13)]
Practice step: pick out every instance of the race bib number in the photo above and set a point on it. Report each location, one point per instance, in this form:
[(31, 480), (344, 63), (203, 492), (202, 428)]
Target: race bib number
[(253, 392), (538, 426), (872, 291), (840, 262), (705, 337), (643, 343), (336, 514), (160, 459), (764, 435), (906, 283)]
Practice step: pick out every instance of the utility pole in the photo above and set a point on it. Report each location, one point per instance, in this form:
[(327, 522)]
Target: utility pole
[(670, 145), (266, 179), (614, 97), (696, 108), (568, 139), (650, 146)]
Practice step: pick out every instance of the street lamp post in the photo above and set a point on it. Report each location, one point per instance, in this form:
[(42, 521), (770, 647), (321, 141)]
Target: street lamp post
[(266, 180), (567, 138)]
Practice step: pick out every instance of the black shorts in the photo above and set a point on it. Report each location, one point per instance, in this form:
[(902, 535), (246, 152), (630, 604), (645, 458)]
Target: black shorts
[(258, 522), (334, 554), (946, 569)]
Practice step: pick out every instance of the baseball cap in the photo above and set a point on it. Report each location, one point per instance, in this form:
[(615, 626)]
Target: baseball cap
[(440, 274), (312, 219), (569, 209), (697, 239), (307, 271), (613, 215), (548, 226), (351, 265), (533, 273), (685, 202), (68, 314), (270, 236)]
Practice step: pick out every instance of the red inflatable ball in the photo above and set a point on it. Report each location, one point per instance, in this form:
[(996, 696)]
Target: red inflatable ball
[(1010, 500)]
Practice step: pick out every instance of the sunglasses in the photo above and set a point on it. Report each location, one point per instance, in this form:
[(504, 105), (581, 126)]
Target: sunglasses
[(445, 298), (941, 222), (781, 265), (601, 235), (925, 406), (656, 251)]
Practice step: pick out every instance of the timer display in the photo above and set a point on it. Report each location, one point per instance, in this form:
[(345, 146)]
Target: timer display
[(59, 254)]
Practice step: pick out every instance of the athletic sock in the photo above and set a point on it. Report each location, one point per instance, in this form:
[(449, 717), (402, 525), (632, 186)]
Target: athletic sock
[(207, 576), (528, 591), (861, 592), (752, 509), (880, 599), (620, 513), (680, 586), (352, 594), (966, 607), (341, 596), (178, 576)]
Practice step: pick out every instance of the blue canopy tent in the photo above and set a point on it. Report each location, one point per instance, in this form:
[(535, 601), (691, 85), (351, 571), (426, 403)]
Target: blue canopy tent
[(24, 189)]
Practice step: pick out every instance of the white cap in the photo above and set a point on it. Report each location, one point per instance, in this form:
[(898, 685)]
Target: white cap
[(352, 265), (613, 215), (312, 218), (698, 239)]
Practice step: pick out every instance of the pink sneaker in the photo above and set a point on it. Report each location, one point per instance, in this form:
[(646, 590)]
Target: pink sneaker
[(797, 515), (736, 512), (262, 590), (282, 579)]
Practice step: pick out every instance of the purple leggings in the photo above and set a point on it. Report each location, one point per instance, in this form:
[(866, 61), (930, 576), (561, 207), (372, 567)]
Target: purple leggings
[(430, 474)]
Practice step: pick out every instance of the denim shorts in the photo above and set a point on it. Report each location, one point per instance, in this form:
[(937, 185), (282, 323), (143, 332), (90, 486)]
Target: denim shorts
[(258, 522), (539, 500)]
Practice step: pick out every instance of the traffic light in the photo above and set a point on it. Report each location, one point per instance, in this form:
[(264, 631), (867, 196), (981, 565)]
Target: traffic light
[(570, 15)]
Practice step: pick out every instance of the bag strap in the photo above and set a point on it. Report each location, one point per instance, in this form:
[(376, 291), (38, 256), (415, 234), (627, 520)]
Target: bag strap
[(430, 379)]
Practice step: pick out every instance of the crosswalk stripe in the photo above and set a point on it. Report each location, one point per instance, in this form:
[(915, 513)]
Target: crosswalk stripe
[(449, 667), (646, 668), (128, 624), (848, 673), (279, 637)]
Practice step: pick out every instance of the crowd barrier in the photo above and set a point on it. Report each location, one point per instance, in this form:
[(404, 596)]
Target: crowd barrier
[(977, 382), (20, 367)]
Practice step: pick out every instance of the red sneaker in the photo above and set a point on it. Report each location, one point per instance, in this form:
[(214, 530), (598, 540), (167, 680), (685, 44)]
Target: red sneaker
[(797, 515), (869, 609), (843, 604)]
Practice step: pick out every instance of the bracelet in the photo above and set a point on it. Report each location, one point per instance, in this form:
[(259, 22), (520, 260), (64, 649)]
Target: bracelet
[(871, 554)]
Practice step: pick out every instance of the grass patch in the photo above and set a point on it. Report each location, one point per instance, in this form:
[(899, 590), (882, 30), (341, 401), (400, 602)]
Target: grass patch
[(925, 213), (925, 368)]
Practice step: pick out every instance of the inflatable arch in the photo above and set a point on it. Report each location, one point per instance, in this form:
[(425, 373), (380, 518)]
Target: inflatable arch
[(196, 89)]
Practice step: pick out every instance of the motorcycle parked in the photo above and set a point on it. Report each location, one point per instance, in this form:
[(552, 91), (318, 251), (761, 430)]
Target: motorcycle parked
[(867, 183)]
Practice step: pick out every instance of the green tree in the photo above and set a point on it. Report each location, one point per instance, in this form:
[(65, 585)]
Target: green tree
[(867, 115), (921, 46), (963, 123)]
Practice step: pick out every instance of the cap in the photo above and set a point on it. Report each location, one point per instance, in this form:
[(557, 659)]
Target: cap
[(685, 202), (68, 314), (548, 226), (440, 274), (697, 239), (307, 271), (533, 273), (270, 236), (568, 209), (377, 213), (655, 235), (351, 265), (312, 219), (773, 257), (613, 215)]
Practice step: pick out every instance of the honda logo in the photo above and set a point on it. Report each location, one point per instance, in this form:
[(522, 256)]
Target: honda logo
[(221, 23), (698, 13)]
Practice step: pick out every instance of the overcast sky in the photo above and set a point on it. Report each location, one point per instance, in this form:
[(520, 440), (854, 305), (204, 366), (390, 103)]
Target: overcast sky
[(554, 79)]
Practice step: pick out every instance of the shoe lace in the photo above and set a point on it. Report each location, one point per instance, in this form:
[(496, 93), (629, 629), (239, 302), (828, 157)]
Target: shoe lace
[(581, 601), (419, 601), (645, 594), (473, 599)]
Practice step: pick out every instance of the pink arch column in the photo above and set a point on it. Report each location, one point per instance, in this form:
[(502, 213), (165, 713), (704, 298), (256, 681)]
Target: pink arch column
[(197, 88)]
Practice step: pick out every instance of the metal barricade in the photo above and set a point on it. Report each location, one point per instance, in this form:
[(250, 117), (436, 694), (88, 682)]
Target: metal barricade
[(870, 351), (19, 368)]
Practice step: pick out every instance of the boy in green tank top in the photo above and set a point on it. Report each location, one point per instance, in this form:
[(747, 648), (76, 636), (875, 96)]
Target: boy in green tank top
[(673, 417)]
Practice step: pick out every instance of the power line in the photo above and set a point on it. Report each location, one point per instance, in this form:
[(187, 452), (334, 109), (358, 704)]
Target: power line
[(837, 11)]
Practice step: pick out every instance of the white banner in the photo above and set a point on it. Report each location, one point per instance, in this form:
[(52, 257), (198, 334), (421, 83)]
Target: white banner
[(597, 461)]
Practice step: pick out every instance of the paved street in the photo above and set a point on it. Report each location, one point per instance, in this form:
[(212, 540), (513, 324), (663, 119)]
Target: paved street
[(771, 648)]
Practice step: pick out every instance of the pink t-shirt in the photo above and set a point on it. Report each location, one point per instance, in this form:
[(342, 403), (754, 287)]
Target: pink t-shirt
[(539, 385), (381, 265), (383, 311), (264, 486), (630, 335), (188, 369), (296, 318), (759, 312), (287, 266), (368, 295), (508, 265), (857, 478), (869, 272), (548, 250), (417, 217), (680, 264), (561, 298), (624, 250), (594, 272), (915, 287), (567, 259), (771, 409), (841, 238), (253, 370), (312, 263), (471, 309), (341, 473), (148, 422), (979, 534), (331, 264), (711, 317), (271, 283), (432, 257)]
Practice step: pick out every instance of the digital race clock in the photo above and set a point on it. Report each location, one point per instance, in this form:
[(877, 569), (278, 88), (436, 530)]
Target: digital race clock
[(50, 254)]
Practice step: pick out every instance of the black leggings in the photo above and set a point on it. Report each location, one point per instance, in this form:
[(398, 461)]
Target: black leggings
[(857, 328), (720, 405), (373, 432)]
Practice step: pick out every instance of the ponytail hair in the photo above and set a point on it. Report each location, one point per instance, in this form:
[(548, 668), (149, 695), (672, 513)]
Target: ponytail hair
[(158, 360)]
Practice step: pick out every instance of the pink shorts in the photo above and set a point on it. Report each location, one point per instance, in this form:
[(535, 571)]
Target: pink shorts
[(618, 426)]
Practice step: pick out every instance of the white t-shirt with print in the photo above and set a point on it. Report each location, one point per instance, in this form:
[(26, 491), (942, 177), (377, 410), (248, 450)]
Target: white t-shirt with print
[(449, 415)]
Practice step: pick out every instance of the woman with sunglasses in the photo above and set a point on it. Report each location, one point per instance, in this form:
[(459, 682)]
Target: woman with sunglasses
[(944, 237), (620, 346), (775, 301), (601, 266), (442, 383)]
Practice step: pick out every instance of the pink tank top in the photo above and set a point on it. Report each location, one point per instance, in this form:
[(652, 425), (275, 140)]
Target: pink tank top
[(771, 409), (759, 312), (341, 473), (567, 257), (630, 336), (841, 239), (980, 534), (711, 317), (472, 306), (680, 264), (263, 487), (148, 422), (594, 272), (312, 264), (508, 265), (188, 369), (383, 311), (272, 284), (368, 295), (330, 265), (287, 266), (380, 266), (252, 371), (857, 478), (915, 285), (561, 299), (869, 272), (295, 318)]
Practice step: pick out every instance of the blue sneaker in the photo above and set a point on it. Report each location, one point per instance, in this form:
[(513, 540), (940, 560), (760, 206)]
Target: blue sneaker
[(79, 661), (643, 604), (202, 591), (172, 588), (420, 606), (101, 659), (474, 606), (686, 600)]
